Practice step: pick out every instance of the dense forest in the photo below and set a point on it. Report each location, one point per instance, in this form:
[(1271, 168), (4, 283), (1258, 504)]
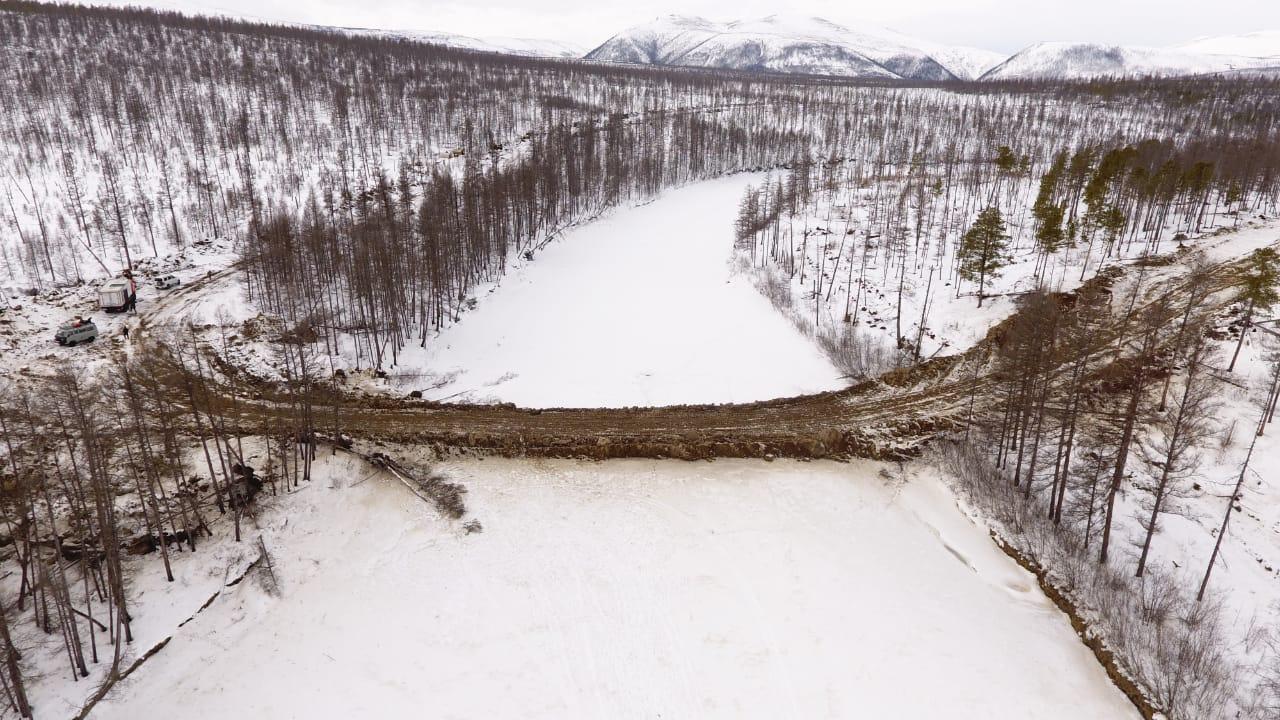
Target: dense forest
[(426, 168)]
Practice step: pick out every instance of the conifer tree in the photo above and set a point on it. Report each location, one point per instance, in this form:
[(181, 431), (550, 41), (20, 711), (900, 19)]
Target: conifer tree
[(1046, 211), (1050, 237), (984, 249), (1259, 291)]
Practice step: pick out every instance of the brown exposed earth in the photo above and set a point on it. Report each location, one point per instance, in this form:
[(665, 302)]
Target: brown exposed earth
[(889, 418)]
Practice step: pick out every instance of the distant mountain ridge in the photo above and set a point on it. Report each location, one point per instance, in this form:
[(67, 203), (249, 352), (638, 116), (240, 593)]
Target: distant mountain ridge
[(528, 47), (814, 46), (1263, 44), (810, 46), (819, 47), (1071, 61)]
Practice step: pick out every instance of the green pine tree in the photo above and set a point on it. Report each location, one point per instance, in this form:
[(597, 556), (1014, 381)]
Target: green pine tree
[(984, 249), (1006, 161), (1258, 290), (1050, 237)]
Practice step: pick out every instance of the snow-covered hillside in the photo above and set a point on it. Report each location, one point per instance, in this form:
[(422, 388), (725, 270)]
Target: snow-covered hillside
[(1068, 60), (792, 45), (528, 47), (1261, 44)]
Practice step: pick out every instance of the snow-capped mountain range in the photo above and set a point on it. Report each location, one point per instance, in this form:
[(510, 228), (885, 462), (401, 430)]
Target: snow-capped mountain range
[(1060, 60), (814, 46), (793, 45), (820, 47)]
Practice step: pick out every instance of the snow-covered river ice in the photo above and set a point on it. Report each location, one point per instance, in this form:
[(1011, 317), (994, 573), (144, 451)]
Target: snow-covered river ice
[(629, 589), (640, 307)]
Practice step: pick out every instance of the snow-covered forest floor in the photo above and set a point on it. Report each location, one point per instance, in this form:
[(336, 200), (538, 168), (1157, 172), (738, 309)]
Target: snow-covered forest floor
[(1247, 577), (842, 269), (1242, 599), (619, 589)]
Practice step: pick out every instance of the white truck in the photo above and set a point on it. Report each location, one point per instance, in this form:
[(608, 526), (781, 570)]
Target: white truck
[(118, 295)]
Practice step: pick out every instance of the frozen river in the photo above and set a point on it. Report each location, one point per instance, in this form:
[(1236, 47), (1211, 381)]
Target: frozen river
[(638, 308), (628, 589)]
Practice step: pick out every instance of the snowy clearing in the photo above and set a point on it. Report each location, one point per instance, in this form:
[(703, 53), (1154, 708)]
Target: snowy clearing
[(640, 307), (628, 589)]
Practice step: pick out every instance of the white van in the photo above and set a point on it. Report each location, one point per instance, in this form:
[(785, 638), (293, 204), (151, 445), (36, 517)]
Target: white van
[(76, 332), (166, 282)]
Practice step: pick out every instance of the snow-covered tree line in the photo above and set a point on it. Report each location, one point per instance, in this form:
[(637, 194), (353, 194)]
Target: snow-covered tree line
[(139, 458), (1107, 416), (565, 173), (425, 168), (399, 261), (133, 132), (950, 216)]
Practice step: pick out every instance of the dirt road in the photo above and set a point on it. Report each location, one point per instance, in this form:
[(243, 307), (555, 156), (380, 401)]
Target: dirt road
[(888, 418), (869, 420)]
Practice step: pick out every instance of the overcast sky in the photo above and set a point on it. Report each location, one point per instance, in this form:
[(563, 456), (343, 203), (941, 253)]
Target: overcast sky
[(1004, 25)]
